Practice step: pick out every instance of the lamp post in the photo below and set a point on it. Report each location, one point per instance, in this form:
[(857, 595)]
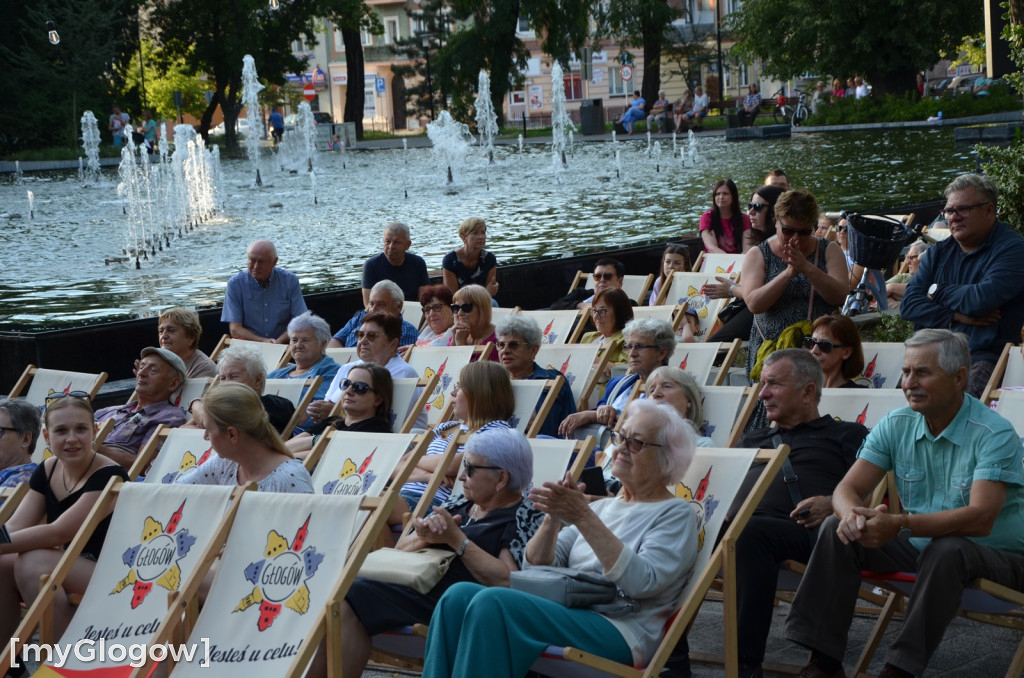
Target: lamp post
[(718, 41), (425, 39)]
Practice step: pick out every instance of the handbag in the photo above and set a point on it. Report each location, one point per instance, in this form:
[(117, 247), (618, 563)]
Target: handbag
[(731, 310), (568, 588), (419, 570)]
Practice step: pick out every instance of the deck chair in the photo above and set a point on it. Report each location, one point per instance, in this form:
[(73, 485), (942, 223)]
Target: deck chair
[(36, 383), (498, 313), (169, 453), (699, 359), (274, 355), (352, 463), (635, 286), (1009, 371), (42, 450), (299, 391), (581, 364), (10, 497), (883, 363), (1011, 407), (726, 412), (158, 535), (446, 362), (534, 399), (557, 327), (687, 288), (719, 264), (410, 395), (284, 560), (342, 355), (673, 315), (186, 393), (864, 406), (412, 313)]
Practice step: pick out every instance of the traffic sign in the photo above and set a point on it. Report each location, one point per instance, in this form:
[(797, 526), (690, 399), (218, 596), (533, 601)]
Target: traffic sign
[(381, 85), (626, 72), (309, 92)]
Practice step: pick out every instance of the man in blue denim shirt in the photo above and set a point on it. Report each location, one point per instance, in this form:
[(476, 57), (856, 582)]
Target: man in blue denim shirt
[(958, 467), (972, 282), (260, 301)]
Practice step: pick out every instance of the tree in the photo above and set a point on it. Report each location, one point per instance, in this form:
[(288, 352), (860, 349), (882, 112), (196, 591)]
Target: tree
[(420, 90), (886, 42), (686, 53), (165, 74), (646, 24)]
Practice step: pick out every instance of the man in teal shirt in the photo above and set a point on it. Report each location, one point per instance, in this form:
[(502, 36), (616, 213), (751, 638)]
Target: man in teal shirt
[(958, 469)]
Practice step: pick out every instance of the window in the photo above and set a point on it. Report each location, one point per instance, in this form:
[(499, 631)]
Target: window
[(417, 25), (617, 87), (369, 96), (367, 39), (523, 27), (728, 76), (339, 41), (744, 75), (573, 84), (391, 35)]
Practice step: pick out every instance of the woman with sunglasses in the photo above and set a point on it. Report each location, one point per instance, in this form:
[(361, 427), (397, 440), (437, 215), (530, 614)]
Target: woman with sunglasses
[(487, 526), (724, 227), (483, 402), (471, 264), (365, 404), (248, 448), (790, 277), (62, 492), (471, 306), (835, 342), (644, 541), (436, 301)]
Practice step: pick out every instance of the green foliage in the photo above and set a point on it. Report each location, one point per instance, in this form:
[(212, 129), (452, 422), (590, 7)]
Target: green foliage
[(971, 51), (1006, 167), (165, 74), (644, 24), (891, 329), (892, 108), (887, 42)]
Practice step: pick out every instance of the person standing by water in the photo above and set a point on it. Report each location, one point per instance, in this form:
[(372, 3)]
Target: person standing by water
[(117, 124)]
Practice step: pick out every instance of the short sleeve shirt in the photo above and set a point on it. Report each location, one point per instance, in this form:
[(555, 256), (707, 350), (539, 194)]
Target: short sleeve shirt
[(290, 476), (263, 310), (133, 427), (410, 276), (464, 275)]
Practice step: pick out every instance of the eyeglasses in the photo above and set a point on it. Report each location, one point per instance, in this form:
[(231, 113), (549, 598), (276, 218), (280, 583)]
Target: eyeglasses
[(633, 445), (70, 394), (604, 276), (511, 345), (629, 348), (824, 345), (433, 308), (360, 388), (369, 336), (800, 232), (756, 207), (5, 429), (912, 257), (840, 229), (599, 312), (472, 468), (466, 308), (962, 211)]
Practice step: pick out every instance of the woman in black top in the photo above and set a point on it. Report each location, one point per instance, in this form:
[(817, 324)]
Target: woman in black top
[(63, 490)]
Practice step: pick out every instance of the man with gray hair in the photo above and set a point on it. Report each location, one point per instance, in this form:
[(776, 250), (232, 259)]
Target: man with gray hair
[(385, 297), (260, 300), (245, 366), (395, 263), (971, 282), (958, 467), (19, 431)]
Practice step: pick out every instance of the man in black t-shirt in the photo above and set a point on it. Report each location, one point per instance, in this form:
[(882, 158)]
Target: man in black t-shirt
[(408, 271)]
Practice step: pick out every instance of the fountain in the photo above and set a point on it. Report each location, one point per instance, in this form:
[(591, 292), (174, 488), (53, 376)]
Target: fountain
[(486, 118), (656, 153), (561, 124), (451, 140), (31, 205), (91, 144), (250, 99)]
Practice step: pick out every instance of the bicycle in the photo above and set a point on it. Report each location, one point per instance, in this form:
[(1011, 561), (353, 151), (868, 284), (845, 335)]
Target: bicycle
[(800, 111), (795, 115)]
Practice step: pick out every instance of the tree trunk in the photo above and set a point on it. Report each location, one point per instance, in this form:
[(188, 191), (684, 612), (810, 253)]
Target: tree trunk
[(355, 94), (652, 68), (895, 83)]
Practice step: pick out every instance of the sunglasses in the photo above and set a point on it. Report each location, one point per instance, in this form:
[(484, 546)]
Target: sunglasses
[(360, 388), (70, 394), (824, 345), (802, 232), (369, 336), (633, 445), (840, 229), (510, 345), (604, 276), (463, 308), (756, 207), (472, 468)]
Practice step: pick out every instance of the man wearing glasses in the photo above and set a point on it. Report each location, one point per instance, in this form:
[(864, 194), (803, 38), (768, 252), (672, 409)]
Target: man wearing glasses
[(608, 273), (408, 271), (972, 282), (19, 431)]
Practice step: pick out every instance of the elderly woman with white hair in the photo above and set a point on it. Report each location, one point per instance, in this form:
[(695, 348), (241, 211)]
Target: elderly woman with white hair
[(649, 343), (487, 527), (243, 365), (673, 386), (644, 541), (308, 336)]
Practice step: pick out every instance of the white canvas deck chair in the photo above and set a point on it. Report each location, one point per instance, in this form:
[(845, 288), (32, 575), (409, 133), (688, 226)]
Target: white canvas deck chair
[(412, 312), (883, 363), (719, 263), (300, 392), (158, 535), (446, 362), (581, 364), (671, 314), (342, 355), (274, 355), (350, 463), (699, 360), (530, 394), (557, 327), (498, 313), (284, 560), (726, 412), (189, 391), (635, 286), (862, 405), (1011, 407), (169, 453), (410, 396), (687, 288), (1008, 372)]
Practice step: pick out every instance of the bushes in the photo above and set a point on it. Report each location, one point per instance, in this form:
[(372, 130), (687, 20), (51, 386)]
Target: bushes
[(891, 108)]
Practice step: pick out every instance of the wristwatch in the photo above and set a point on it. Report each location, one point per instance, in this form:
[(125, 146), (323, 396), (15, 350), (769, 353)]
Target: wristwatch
[(933, 290), (462, 548), (905, 532)]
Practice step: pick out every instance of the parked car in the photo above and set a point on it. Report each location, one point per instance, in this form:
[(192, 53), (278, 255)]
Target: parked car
[(241, 128)]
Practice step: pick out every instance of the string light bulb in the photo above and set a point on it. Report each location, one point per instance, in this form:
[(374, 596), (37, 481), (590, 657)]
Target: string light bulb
[(52, 34), (275, 4)]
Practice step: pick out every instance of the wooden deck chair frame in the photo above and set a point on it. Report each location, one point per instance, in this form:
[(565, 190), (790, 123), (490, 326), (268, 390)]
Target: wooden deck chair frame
[(995, 382), (712, 306), (457, 440), (638, 285), (311, 385), (747, 406), (342, 355), (226, 341), (550, 392), (31, 370), (11, 497), (730, 348), (675, 316)]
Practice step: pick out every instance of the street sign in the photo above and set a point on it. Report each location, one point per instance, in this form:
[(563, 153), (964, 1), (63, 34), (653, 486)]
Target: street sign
[(381, 85), (309, 92), (626, 72)]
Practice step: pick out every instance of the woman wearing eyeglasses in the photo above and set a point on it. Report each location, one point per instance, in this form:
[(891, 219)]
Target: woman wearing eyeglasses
[(63, 490), (610, 311), (436, 301), (790, 277), (365, 404), (724, 227), (835, 342), (487, 526), (643, 541), (473, 327)]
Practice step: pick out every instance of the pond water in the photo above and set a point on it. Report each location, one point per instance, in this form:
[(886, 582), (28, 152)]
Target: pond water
[(52, 270)]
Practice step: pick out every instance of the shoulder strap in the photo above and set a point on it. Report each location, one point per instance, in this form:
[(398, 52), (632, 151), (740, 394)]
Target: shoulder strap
[(788, 474)]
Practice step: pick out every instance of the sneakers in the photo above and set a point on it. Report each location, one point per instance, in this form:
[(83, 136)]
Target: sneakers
[(813, 671)]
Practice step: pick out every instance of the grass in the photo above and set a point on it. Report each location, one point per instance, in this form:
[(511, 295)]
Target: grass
[(60, 153)]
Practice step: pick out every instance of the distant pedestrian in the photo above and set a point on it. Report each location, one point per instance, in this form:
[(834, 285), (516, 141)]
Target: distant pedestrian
[(276, 125), (118, 125)]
